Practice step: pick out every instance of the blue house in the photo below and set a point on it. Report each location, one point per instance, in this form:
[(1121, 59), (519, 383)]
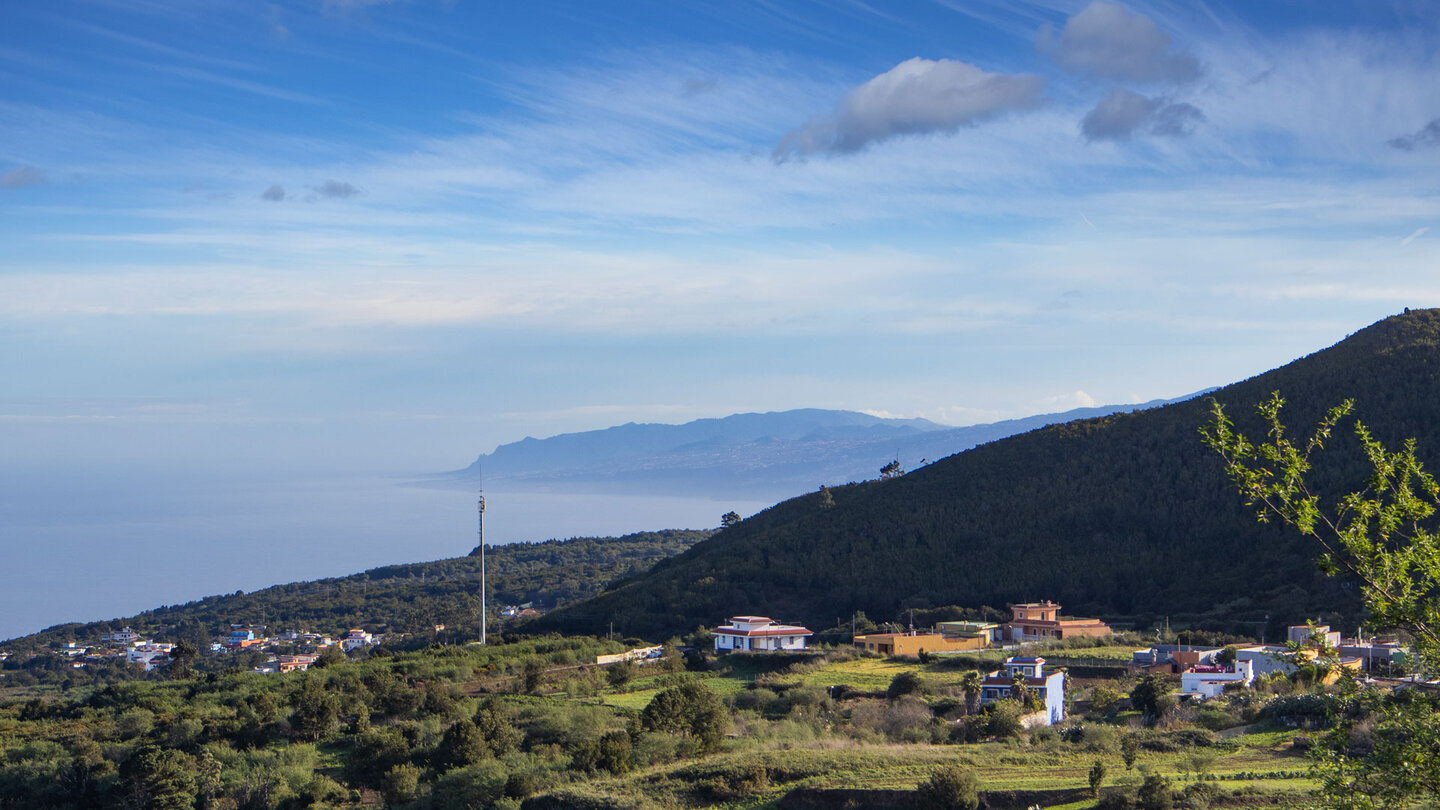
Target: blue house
[(1049, 689)]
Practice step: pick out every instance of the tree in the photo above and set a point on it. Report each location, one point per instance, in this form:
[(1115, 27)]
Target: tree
[(1129, 750), (619, 673), (1097, 778), (1378, 534), (1226, 657), (611, 752), (827, 501), (689, 709), (1154, 793), (971, 683), (160, 779), (891, 470), (904, 683), (462, 744), (399, 784), (500, 734), (729, 519), (314, 709), (1383, 535), (534, 672), (182, 660), (950, 787), (1151, 695)]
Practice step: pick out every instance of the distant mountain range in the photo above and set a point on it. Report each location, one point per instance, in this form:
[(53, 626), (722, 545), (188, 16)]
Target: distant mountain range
[(1128, 517), (759, 455)]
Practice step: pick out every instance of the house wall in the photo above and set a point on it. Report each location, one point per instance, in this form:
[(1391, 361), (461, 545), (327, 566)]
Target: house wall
[(888, 644)]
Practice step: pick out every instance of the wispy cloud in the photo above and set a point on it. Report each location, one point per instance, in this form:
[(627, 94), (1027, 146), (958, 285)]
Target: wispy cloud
[(1427, 137), (23, 176), (336, 188), (1419, 232), (274, 193)]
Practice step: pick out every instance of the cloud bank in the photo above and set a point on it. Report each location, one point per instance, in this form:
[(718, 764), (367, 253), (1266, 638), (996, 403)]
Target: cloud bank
[(916, 96), (1106, 40), (1122, 113)]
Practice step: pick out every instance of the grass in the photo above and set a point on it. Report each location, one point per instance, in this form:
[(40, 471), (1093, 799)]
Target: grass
[(832, 760)]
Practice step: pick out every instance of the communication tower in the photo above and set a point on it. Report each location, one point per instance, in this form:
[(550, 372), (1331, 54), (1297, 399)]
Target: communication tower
[(480, 510)]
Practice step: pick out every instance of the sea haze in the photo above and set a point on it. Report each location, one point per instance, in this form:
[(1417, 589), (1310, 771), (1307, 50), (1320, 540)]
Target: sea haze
[(104, 543)]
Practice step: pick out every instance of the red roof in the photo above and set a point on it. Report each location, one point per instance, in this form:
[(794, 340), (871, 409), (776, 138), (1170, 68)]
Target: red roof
[(772, 630)]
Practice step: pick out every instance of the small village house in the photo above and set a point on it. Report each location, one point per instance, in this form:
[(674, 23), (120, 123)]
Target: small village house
[(914, 643), (1048, 688), (1211, 680), (759, 634), (1040, 621)]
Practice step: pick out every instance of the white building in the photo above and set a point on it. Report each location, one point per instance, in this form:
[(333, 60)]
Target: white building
[(759, 633), (124, 637), (357, 638), (145, 653), (1210, 680), (1050, 689)]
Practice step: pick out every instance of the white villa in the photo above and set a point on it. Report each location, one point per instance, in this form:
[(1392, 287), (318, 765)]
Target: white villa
[(1210, 680), (759, 633)]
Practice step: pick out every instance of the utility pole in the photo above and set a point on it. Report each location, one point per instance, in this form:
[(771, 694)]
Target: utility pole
[(480, 508)]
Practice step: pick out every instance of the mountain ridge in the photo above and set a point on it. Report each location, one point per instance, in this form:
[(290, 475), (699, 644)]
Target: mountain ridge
[(1112, 516), (770, 455)]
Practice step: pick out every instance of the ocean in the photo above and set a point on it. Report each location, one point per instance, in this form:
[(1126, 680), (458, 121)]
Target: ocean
[(102, 544)]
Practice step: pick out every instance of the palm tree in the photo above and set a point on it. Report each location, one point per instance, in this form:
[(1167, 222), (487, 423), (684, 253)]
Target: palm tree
[(970, 684), (1020, 688)]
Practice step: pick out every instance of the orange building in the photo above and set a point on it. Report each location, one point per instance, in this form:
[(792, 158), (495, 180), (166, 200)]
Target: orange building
[(915, 643), (1033, 621)]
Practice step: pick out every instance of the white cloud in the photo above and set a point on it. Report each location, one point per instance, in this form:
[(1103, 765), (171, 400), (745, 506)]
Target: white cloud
[(1108, 41), (914, 97)]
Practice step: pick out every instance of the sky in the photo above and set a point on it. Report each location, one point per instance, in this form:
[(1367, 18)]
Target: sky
[(392, 235)]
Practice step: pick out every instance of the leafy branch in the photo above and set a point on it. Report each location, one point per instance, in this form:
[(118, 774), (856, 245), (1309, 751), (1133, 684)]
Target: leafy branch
[(1378, 534)]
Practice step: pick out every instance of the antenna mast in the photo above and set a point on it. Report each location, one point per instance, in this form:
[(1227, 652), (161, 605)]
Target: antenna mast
[(480, 511)]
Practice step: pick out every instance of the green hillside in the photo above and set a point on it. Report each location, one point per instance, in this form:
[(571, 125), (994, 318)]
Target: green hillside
[(410, 598), (1127, 517)]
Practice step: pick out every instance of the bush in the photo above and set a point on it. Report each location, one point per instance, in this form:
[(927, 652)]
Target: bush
[(906, 683), (1003, 719), (399, 784), (950, 787), (1154, 794)]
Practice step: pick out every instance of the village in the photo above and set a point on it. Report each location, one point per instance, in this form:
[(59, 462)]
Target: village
[(1203, 671)]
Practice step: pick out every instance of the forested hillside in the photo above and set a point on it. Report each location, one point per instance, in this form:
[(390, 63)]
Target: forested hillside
[(405, 598), (1128, 517)]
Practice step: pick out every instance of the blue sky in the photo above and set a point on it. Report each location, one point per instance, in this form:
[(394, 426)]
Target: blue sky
[(395, 234)]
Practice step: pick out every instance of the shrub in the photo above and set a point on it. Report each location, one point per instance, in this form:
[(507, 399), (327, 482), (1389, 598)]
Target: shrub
[(906, 683), (1154, 793), (1003, 719), (950, 787), (399, 784)]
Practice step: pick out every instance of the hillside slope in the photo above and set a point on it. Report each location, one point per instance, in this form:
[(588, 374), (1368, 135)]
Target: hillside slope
[(409, 598), (1127, 517)]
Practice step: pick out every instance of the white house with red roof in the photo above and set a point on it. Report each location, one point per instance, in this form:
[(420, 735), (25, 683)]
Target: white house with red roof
[(759, 634), (1049, 689)]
